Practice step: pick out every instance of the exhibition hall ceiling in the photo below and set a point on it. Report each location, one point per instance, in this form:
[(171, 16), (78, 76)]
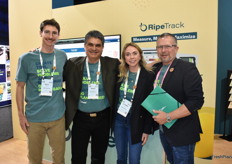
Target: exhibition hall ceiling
[(65, 3)]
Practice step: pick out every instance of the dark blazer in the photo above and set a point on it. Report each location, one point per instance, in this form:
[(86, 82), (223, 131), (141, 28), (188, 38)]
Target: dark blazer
[(141, 119), (184, 83), (73, 74)]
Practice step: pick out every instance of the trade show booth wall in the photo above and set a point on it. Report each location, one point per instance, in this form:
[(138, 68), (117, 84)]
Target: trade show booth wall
[(194, 21)]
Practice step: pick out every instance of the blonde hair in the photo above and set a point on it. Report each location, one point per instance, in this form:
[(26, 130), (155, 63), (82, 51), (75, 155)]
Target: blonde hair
[(124, 67)]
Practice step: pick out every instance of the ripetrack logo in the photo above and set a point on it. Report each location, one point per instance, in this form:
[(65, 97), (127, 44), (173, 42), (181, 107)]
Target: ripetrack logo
[(155, 27)]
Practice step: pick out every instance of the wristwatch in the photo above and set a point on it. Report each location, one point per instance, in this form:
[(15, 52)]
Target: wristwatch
[(168, 118)]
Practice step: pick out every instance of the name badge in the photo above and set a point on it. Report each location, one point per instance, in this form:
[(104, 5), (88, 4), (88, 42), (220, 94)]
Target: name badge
[(124, 107), (93, 91), (46, 87)]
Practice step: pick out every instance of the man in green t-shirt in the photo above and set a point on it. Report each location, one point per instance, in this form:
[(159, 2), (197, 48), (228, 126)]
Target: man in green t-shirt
[(90, 85), (40, 73), (182, 81)]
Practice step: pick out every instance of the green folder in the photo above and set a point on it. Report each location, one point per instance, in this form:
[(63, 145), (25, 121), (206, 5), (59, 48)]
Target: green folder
[(159, 99)]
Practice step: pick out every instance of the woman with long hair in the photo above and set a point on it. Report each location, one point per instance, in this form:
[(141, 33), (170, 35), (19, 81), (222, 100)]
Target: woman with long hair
[(133, 123)]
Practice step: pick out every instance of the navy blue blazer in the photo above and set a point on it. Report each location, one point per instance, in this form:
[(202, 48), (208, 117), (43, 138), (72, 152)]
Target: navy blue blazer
[(184, 83)]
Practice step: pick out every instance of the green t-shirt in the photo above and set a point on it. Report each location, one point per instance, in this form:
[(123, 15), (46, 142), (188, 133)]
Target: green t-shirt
[(130, 85), (162, 73), (92, 105), (42, 108), (160, 78)]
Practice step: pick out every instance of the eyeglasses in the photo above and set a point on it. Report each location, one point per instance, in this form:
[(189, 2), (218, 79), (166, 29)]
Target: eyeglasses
[(165, 47), (48, 33)]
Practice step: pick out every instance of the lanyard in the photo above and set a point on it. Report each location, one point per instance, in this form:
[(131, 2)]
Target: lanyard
[(135, 85), (98, 70), (54, 64), (157, 76)]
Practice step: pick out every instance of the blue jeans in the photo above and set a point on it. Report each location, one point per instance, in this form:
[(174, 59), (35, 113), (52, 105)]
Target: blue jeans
[(122, 136), (178, 154)]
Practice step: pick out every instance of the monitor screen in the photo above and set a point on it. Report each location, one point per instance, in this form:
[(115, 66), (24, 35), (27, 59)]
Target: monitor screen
[(150, 54), (74, 47), (189, 59)]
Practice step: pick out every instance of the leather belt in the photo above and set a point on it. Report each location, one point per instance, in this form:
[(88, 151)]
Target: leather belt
[(94, 114)]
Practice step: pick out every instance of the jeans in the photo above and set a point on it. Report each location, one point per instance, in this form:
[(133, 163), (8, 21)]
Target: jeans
[(178, 154), (86, 127), (122, 136)]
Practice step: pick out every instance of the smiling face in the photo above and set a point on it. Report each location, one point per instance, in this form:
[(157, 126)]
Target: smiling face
[(132, 58), (93, 49), (49, 36), (166, 49)]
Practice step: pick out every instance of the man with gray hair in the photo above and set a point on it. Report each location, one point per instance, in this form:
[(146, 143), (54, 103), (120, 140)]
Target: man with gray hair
[(182, 81), (90, 87)]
